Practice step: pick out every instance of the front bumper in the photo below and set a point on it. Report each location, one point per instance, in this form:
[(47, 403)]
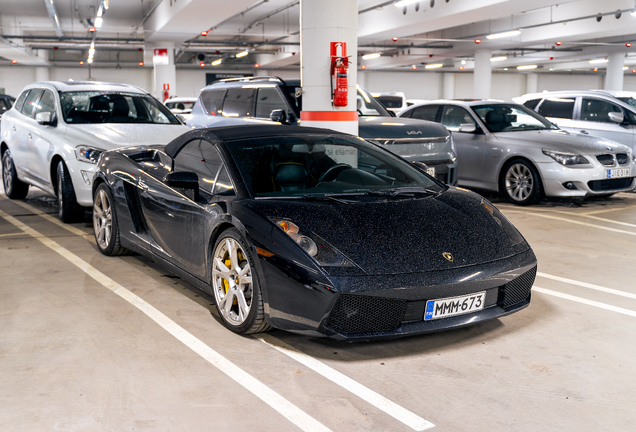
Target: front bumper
[(390, 306), (562, 181), (82, 174)]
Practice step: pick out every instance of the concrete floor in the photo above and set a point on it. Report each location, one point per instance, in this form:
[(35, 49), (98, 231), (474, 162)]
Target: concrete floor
[(75, 356)]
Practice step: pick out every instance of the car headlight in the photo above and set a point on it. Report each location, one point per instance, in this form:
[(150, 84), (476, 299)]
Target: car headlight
[(87, 154), (513, 233), (321, 251), (565, 158)]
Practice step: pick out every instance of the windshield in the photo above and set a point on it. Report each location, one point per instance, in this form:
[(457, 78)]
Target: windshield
[(316, 166), (628, 100), (390, 101), (510, 118), (113, 107), (366, 104)]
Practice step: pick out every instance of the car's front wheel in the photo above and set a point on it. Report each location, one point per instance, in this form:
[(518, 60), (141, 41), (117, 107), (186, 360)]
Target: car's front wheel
[(14, 188), (521, 183), (236, 285), (69, 210), (105, 222)]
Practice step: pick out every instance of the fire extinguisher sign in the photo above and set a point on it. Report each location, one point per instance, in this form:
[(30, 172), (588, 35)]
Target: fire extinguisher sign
[(338, 50)]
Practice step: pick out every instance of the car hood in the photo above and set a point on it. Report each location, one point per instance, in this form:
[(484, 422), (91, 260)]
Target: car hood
[(563, 141), (396, 236), (398, 127), (109, 136)]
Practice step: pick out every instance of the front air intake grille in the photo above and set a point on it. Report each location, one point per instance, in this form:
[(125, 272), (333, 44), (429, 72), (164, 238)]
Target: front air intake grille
[(610, 184), (517, 290), (606, 159), (365, 314), (622, 158)]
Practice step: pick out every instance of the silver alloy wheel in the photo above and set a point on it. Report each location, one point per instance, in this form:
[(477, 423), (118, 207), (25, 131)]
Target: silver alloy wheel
[(519, 182), (102, 219), (232, 282), (6, 173)]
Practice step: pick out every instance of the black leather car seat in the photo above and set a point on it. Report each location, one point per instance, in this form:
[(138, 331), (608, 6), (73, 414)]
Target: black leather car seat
[(496, 120), (290, 176)]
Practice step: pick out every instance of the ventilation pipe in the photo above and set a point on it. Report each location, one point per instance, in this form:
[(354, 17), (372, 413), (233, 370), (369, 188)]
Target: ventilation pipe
[(50, 6)]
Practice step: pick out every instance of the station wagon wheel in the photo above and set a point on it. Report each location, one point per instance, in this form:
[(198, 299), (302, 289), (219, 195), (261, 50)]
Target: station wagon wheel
[(235, 285), (13, 187), (105, 222), (521, 183), (69, 210)]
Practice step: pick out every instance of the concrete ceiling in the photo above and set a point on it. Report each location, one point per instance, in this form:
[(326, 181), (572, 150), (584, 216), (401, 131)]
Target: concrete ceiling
[(429, 31)]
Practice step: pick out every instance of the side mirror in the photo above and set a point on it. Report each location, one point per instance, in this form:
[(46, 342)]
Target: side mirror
[(279, 116), (467, 127), (184, 180), (45, 118), (181, 118), (617, 117)]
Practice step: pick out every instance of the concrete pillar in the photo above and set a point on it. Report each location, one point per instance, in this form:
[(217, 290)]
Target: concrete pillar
[(614, 74), (323, 22), (449, 86), (532, 83), (482, 77), (42, 74), (362, 79), (164, 70)]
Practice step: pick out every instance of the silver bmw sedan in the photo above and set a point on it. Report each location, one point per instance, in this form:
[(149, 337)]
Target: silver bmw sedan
[(507, 148)]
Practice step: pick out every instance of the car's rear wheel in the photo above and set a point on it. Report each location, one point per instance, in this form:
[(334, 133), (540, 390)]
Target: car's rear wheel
[(105, 222), (521, 183), (236, 285), (69, 210), (14, 188)]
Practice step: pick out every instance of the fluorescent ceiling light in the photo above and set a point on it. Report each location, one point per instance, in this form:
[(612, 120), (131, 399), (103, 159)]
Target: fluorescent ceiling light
[(625, 68), (526, 67), (217, 62), (98, 22), (634, 13), (91, 52), (598, 61), (405, 2), (504, 34), (434, 66), (90, 60), (242, 54), (371, 56), (500, 58)]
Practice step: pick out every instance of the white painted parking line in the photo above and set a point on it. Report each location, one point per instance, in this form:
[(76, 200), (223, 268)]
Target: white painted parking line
[(290, 411), (11, 234), (588, 285), (610, 221), (377, 400), (585, 301), (573, 221), (55, 221), (609, 210)]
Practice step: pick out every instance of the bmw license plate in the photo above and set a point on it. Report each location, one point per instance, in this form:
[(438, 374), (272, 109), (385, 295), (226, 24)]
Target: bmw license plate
[(430, 171), (442, 308), (617, 173)]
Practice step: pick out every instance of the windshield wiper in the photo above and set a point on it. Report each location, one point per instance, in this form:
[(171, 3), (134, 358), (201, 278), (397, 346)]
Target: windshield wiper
[(410, 190), (306, 197)]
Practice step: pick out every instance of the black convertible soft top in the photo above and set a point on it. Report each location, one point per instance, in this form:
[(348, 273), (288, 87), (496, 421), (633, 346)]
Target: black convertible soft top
[(222, 134)]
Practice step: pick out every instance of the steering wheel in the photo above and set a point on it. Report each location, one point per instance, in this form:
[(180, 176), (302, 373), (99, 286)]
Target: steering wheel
[(332, 173)]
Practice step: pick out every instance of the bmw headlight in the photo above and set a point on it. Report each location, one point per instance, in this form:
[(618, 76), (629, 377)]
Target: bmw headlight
[(87, 154), (314, 246), (565, 158)]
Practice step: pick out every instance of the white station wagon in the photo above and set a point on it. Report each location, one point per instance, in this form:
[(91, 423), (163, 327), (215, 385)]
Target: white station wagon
[(56, 131)]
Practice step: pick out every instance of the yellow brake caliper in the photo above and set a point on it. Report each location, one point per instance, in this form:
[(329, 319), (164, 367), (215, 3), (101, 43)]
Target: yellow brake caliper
[(228, 264)]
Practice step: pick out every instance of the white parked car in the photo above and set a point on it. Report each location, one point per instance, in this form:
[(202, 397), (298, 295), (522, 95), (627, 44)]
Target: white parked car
[(393, 101), (181, 106), (600, 113), (56, 131)]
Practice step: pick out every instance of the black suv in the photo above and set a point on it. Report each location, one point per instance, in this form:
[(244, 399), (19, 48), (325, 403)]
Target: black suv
[(272, 100)]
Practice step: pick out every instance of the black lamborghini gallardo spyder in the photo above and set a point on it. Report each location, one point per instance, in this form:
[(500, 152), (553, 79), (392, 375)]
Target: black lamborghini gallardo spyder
[(312, 231)]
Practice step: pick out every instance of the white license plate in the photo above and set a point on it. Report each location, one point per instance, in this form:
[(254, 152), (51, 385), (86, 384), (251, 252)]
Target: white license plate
[(442, 308), (430, 171), (617, 173)]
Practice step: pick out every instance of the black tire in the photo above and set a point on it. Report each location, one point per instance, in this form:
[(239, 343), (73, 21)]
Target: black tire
[(105, 226), (14, 188), (69, 210), (227, 287), (520, 183)]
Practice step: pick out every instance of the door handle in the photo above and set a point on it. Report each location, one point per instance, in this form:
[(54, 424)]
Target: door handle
[(29, 135), (13, 128), (584, 132)]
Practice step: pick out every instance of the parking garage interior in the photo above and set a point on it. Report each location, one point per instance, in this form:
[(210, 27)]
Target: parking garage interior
[(95, 343)]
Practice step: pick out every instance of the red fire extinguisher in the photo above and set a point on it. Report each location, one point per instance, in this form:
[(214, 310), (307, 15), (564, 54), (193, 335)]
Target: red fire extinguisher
[(339, 82), (166, 95)]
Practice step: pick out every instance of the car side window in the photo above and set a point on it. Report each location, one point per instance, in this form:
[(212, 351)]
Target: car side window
[(532, 103), (20, 101), (211, 100), (407, 114), (428, 112), (453, 116), (47, 103), (557, 108), (268, 99), (239, 102), (30, 102), (223, 184), (597, 110), (4, 105), (201, 157)]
